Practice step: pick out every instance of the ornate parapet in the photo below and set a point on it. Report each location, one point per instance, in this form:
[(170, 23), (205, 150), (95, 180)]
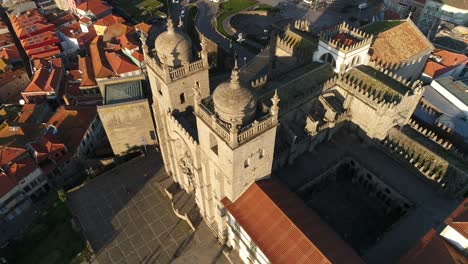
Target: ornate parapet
[(235, 136), (170, 74), (359, 38), (435, 168)]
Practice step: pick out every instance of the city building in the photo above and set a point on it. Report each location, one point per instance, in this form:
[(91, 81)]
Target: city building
[(435, 11), (20, 181), (443, 63), (403, 8), (93, 9)]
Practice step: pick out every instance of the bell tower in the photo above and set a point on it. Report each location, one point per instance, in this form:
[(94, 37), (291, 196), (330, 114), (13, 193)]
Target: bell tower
[(236, 137), (173, 68)]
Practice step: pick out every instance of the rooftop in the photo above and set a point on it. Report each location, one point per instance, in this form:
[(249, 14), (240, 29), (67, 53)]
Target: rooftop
[(285, 229), (44, 80), (72, 122), (16, 164), (397, 41), (443, 61), (18, 134), (123, 92), (99, 62), (432, 248), (97, 7), (378, 80), (458, 88)]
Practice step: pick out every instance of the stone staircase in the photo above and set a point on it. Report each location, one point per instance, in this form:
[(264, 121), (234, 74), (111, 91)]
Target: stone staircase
[(183, 203)]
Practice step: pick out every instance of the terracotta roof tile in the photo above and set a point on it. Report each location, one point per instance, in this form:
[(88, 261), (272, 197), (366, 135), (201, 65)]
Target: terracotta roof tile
[(109, 20), (16, 165), (285, 229), (86, 70), (72, 122), (98, 59), (10, 53), (400, 43), (449, 61), (97, 7), (120, 64), (44, 80), (143, 27)]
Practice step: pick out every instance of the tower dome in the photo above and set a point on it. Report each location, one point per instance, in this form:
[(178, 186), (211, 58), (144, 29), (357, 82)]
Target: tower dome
[(173, 46), (233, 102)]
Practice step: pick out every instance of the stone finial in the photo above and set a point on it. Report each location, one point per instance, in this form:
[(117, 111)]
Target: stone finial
[(275, 100), (196, 93)]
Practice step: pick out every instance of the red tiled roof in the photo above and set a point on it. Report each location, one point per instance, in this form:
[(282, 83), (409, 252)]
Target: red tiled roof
[(39, 40), (400, 43), (143, 27), (16, 165), (72, 122), (49, 148), (433, 249), (138, 55), (109, 20), (97, 7), (10, 53), (22, 134), (26, 112), (450, 60), (44, 80), (285, 229), (458, 219), (86, 70), (39, 63), (120, 64), (100, 64)]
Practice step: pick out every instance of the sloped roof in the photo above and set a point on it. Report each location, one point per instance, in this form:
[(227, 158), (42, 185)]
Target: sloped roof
[(10, 53), (449, 61), (97, 7), (433, 249), (16, 165), (98, 59), (285, 229), (143, 27), (86, 70), (72, 122), (109, 20), (48, 147), (398, 43), (18, 134), (119, 63), (458, 219), (44, 80)]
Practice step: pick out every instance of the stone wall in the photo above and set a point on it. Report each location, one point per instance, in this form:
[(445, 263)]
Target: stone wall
[(128, 125)]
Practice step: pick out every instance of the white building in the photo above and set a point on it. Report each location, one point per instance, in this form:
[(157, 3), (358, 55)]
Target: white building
[(454, 11)]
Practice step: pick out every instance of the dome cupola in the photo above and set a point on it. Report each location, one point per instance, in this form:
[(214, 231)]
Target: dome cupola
[(233, 102), (173, 46)]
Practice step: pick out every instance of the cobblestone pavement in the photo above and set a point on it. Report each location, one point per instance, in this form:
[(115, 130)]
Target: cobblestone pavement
[(127, 219)]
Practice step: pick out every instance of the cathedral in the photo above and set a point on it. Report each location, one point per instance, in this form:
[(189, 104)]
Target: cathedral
[(223, 144)]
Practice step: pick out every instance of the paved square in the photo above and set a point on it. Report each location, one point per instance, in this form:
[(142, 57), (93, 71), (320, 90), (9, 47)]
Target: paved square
[(127, 219)]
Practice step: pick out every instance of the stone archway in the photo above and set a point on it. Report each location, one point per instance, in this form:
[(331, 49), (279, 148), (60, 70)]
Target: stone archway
[(328, 58)]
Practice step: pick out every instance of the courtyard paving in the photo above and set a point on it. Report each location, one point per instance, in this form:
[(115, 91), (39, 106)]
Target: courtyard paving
[(127, 219)]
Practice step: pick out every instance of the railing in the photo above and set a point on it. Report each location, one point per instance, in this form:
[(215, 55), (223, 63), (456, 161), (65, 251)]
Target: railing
[(184, 70), (255, 128), (208, 117)]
